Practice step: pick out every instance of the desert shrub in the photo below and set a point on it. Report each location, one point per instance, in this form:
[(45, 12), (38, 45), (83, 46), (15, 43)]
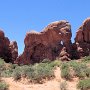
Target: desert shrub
[(21, 71), (17, 73), (52, 63), (8, 70), (84, 84), (12, 66), (1, 67), (35, 73), (44, 70), (46, 61), (7, 73), (2, 64), (27, 71), (55, 63), (87, 72), (3, 86), (30, 73), (73, 63), (65, 71), (86, 59), (63, 85), (79, 68), (39, 72), (0, 75)]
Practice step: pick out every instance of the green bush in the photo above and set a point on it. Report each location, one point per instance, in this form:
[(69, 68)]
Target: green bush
[(55, 63), (3, 86), (73, 63), (79, 68), (86, 59), (52, 63), (12, 66), (17, 76), (7, 73), (39, 72), (63, 85), (8, 70), (17, 73), (87, 72), (84, 84), (2, 64), (35, 73), (65, 71), (27, 71), (44, 70)]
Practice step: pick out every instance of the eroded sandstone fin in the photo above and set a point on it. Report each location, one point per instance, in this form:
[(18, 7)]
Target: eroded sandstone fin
[(47, 44)]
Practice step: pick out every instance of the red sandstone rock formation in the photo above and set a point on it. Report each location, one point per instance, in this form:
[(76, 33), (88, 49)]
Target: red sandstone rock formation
[(46, 44), (82, 39), (64, 56), (14, 50), (53, 42), (5, 51), (4, 47)]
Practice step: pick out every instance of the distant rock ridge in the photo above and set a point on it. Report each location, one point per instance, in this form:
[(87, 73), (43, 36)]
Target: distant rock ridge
[(53, 42)]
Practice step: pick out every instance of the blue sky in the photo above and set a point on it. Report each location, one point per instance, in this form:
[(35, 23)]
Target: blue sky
[(19, 16)]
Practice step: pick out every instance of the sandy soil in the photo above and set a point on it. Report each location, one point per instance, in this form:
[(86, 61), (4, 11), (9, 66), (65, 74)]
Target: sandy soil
[(49, 85)]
